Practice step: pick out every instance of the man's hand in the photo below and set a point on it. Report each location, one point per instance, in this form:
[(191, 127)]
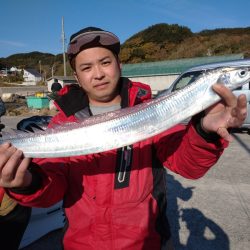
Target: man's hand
[(13, 167), (230, 112)]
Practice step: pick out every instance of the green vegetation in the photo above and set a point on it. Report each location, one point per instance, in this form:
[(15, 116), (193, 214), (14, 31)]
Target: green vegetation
[(165, 42), (161, 33), (157, 42)]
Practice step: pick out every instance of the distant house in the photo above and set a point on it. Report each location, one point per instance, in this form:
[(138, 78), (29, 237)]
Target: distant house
[(31, 76), (63, 80), (15, 69), (3, 72), (12, 69)]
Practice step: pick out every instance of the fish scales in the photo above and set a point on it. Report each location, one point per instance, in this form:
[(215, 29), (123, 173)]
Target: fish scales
[(130, 125)]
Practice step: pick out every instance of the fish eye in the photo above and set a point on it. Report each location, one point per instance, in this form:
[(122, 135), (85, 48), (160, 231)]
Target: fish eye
[(242, 73)]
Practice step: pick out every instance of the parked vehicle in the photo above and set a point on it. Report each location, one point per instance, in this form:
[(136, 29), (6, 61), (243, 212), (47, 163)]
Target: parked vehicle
[(192, 74), (43, 221)]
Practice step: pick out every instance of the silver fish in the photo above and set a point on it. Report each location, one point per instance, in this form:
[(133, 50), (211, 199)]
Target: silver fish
[(127, 126)]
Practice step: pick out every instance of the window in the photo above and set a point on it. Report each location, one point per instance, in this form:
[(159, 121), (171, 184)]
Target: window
[(186, 79)]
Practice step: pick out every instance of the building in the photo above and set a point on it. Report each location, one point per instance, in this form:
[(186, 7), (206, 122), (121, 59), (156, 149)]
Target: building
[(31, 77), (15, 69), (3, 72)]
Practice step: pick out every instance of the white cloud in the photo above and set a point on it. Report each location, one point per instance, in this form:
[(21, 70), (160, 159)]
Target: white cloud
[(12, 43)]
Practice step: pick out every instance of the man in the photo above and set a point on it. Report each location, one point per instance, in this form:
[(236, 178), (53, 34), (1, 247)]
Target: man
[(116, 199), (56, 86)]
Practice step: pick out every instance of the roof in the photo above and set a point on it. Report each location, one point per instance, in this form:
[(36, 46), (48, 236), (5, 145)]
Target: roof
[(172, 66), (231, 63), (33, 72), (62, 78)]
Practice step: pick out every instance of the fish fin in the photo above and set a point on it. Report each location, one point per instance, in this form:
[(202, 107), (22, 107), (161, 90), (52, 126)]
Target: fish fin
[(36, 129), (16, 131), (43, 127), (62, 125), (5, 136), (13, 134)]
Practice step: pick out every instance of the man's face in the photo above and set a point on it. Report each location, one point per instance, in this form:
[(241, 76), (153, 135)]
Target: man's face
[(97, 70)]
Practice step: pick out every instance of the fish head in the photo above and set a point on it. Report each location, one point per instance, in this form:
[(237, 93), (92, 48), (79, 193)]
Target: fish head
[(234, 77)]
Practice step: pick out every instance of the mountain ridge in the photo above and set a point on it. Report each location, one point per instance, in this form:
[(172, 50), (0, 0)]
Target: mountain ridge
[(156, 43)]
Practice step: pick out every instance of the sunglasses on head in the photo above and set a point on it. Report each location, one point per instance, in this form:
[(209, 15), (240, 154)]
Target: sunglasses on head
[(91, 39)]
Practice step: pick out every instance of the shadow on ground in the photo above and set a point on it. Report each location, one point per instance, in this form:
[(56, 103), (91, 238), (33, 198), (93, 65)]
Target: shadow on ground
[(202, 232)]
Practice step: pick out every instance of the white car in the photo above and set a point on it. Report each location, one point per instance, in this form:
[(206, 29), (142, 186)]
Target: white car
[(192, 74)]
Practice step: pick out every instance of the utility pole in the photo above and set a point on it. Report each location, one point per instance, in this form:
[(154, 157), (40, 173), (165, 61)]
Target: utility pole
[(52, 70), (40, 67), (63, 47)]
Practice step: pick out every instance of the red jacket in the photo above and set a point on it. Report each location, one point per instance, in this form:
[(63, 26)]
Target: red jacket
[(117, 199)]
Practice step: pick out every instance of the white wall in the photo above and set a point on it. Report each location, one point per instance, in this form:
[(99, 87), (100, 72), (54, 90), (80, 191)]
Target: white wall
[(157, 83), (28, 77)]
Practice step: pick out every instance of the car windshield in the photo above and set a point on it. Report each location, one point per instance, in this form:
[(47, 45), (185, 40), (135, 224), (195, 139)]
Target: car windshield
[(186, 79)]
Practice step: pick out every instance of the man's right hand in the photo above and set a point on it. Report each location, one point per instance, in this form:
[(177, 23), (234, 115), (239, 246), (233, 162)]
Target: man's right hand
[(13, 167)]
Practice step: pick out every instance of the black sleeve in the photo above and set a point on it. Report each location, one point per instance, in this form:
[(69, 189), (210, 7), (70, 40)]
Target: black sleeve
[(208, 137), (35, 184)]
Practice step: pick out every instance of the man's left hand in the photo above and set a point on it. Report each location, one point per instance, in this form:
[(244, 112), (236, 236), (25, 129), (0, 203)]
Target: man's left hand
[(230, 112)]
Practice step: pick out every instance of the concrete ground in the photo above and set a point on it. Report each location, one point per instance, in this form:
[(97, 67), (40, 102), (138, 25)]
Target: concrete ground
[(212, 213)]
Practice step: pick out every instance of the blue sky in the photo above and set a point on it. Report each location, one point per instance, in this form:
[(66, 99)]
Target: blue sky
[(35, 25)]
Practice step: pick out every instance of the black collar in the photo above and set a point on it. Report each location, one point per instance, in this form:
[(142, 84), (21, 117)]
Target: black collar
[(76, 99)]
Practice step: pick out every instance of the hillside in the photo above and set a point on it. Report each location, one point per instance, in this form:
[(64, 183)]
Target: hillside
[(164, 42), (36, 60), (157, 42)]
